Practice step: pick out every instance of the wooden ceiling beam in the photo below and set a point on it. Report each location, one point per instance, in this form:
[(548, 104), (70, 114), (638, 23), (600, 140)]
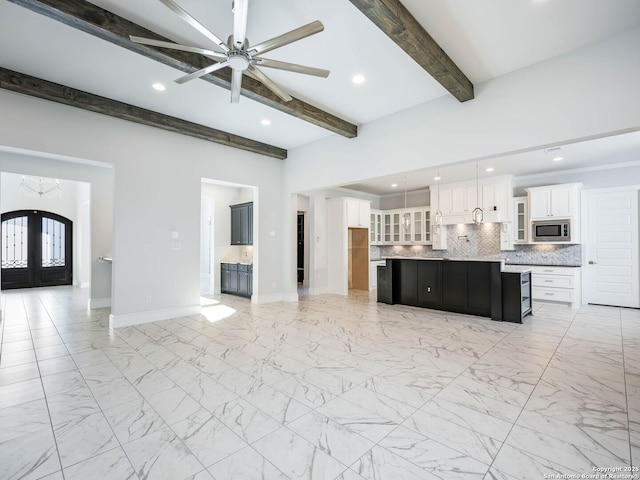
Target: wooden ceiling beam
[(108, 26), (36, 87), (393, 18)]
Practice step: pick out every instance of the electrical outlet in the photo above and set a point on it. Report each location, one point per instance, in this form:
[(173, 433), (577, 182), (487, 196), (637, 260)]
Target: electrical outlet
[(273, 285), (148, 298)]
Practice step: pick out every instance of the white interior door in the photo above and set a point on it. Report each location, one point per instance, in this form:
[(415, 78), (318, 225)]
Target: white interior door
[(611, 274)]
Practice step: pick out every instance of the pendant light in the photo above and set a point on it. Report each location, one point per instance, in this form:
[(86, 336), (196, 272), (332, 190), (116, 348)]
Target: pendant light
[(438, 215), (478, 214), (406, 216)]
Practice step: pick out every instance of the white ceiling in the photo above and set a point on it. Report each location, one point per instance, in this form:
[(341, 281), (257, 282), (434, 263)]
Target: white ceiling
[(606, 152), (485, 39)]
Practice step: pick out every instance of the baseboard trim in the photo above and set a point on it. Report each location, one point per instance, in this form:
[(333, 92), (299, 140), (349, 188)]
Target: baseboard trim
[(129, 319), (318, 290), (85, 284), (274, 298), (94, 303)]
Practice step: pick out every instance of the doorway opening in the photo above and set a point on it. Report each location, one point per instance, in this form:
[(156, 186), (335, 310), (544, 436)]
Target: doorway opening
[(36, 249), (358, 259), (300, 248)]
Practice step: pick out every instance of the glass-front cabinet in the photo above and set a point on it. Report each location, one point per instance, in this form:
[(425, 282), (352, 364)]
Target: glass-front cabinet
[(386, 227), (427, 226), (375, 227), (396, 227), (521, 220)]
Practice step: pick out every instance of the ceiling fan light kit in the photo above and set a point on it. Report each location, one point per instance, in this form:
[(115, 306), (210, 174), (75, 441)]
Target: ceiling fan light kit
[(236, 53)]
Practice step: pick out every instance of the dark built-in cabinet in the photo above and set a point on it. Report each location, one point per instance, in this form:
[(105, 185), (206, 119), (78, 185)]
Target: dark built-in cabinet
[(457, 286), (236, 279), (242, 224), (516, 296)]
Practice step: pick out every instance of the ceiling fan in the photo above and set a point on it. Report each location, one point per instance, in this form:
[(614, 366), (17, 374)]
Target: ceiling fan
[(237, 54)]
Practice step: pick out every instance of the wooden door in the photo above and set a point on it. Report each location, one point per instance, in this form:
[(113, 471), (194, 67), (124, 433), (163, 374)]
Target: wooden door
[(358, 269)]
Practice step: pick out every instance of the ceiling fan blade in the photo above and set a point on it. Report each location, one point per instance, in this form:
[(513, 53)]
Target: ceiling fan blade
[(236, 85), (177, 46), (270, 84), (202, 72), (240, 9), (287, 38), (291, 67), (195, 23)]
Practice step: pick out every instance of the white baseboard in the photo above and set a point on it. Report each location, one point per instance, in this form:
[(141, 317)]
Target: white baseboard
[(318, 291), (85, 284), (129, 319), (274, 298), (94, 303)]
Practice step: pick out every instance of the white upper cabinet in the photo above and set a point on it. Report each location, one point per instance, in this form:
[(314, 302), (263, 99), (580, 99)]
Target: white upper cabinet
[(393, 232), (555, 201), (358, 213), (375, 227), (521, 220), (457, 201)]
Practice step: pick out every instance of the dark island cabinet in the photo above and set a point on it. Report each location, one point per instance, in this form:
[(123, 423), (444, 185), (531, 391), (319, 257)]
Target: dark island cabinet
[(416, 283), (516, 296), (471, 287), (236, 279), (429, 284), (454, 286), (242, 224)]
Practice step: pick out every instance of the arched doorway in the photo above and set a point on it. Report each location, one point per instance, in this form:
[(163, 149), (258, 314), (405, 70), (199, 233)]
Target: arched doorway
[(36, 249)]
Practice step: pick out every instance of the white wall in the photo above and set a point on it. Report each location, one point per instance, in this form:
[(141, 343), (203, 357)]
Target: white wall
[(588, 93), (157, 180)]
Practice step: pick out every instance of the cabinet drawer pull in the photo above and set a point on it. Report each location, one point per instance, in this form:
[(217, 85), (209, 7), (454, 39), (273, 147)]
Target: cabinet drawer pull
[(548, 294), (548, 281)]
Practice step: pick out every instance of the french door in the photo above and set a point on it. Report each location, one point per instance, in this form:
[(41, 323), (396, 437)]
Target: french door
[(36, 249)]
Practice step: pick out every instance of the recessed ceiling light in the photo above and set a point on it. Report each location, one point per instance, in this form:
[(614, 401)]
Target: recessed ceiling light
[(490, 169), (159, 87), (437, 178), (358, 79), (557, 159), (265, 122), (394, 185)]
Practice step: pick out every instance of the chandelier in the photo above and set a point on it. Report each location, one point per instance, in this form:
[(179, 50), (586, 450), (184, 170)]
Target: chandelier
[(41, 187)]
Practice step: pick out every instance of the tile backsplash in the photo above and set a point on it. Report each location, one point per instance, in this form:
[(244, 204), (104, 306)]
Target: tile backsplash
[(484, 241)]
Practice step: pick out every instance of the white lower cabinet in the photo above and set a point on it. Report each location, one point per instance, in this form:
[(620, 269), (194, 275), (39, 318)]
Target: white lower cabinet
[(557, 284), (373, 273)]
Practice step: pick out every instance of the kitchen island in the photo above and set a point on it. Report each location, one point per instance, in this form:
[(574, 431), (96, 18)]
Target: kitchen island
[(462, 285)]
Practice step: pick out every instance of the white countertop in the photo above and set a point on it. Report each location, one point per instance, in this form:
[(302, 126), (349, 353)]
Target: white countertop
[(516, 269), (452, 259)]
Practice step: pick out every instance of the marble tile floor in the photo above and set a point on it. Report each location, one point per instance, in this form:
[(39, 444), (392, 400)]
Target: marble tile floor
[(331, 388)]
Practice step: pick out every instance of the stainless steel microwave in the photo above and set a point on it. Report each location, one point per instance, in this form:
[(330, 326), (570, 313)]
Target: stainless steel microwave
[(551, 231)]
